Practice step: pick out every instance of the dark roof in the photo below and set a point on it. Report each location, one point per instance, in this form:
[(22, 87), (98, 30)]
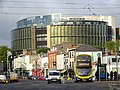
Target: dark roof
[(86, 48)]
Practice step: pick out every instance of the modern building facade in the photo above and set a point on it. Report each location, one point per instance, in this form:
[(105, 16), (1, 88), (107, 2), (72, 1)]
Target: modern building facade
[(29, 38), (39, 21), (33, 32), (87, 32), (22, 38)]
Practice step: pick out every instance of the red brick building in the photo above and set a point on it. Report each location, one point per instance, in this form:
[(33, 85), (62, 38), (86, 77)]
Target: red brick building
[(52, 59)]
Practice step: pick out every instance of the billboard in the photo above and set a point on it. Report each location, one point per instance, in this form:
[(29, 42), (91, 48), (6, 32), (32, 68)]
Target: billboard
[(60, 61), (44, 62)]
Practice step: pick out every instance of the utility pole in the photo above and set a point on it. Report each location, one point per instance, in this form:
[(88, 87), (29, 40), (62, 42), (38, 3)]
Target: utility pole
[(116, 56), (99, 64), (8, 64)]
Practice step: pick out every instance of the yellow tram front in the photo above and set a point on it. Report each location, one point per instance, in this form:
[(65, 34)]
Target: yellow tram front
[(83, 68)]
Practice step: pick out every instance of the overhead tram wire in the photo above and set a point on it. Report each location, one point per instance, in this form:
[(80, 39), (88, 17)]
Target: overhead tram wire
[(39, 2), (88, 6), (105, 14), (69, 3), (58, 7)]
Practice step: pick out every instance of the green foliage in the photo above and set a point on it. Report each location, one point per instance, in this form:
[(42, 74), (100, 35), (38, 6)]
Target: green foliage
[(43, 50), (112, 45), (3, 55)]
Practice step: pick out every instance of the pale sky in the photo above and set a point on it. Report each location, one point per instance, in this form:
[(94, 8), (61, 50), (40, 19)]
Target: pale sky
[(12, 11)]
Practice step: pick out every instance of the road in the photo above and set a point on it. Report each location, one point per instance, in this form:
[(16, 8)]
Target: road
[(42, 85)]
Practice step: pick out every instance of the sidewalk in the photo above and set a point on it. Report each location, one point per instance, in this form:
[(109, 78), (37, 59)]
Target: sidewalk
[(115, 85)]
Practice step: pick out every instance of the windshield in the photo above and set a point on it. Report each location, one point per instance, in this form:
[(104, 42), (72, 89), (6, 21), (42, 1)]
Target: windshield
[(83, 58), (84, 71), (2, 77), (83, 61), (54, 73)]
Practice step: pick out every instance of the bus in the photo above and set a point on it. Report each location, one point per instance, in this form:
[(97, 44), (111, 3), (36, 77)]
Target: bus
[(83, 68)]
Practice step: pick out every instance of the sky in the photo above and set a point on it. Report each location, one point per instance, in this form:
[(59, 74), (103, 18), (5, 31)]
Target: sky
[(12, 11)]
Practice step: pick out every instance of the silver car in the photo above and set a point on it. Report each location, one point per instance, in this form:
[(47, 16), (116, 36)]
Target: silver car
[(3, 79)]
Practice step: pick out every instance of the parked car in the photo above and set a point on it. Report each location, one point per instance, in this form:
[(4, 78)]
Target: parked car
[(40, 78), (14, 76), (30, 77), (34, 77), (3, 79), (46, 78)]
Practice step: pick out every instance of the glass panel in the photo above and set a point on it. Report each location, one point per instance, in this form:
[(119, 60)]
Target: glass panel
[(84, 71)]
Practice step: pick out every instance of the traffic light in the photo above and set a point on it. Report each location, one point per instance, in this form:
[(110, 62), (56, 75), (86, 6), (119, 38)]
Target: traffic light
[(99, 61)]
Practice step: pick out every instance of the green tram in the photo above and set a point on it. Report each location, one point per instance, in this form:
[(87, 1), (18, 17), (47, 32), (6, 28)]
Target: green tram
[(83, 68)]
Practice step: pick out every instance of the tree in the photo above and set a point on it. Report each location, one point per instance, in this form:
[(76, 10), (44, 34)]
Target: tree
[(3, 55), (112, 45), (42, 50)]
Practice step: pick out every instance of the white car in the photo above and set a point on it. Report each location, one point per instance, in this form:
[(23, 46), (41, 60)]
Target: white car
[(3, 79), (54, 76)]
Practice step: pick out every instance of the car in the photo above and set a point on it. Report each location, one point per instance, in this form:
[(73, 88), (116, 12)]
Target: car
[(3, 79), (54, 76), (30, 77), (14, 77), (34, 77), (46, 78), (40, 78)]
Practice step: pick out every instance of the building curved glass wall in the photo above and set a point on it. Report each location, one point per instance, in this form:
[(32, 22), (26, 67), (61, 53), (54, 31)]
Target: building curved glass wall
[(21, 38), (38, 21), (80, 32), (29, 38)]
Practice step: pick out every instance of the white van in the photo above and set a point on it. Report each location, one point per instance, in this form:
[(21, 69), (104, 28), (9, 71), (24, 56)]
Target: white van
[(54, 76)]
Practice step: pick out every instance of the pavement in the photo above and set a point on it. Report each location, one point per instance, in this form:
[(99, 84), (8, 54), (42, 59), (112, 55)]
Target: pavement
[(114, 85)]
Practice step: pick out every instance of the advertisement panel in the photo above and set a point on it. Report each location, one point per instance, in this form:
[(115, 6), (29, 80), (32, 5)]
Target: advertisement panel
[(60, 61), (44, 62), (102, 73)]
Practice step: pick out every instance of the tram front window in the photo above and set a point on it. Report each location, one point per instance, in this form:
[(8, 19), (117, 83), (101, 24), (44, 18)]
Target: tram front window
[(84, 71)]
